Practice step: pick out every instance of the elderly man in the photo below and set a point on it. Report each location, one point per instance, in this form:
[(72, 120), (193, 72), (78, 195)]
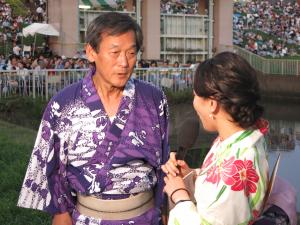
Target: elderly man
[(102, 141)]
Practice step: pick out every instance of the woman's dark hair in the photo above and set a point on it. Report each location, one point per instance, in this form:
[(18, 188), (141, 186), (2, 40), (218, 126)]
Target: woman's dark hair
[(112, 23), (229, 79)]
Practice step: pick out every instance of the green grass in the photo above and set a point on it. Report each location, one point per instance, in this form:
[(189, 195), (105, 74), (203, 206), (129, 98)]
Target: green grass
[(24, 111), (16, 144)]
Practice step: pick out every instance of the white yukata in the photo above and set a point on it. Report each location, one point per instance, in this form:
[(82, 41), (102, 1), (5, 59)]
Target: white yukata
[(231, 185)]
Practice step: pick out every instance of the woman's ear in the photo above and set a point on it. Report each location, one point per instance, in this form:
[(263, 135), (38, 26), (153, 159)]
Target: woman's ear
[(90, 53), (213, 106)]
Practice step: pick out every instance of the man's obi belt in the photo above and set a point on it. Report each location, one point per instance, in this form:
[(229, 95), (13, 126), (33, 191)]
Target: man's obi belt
[(119, 209)]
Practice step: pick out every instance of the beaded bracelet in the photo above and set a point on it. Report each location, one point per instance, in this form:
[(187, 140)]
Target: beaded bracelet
[(178, 189), (185, 200)]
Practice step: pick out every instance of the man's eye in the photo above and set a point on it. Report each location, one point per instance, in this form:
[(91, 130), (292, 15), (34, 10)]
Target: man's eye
[(132, 53)]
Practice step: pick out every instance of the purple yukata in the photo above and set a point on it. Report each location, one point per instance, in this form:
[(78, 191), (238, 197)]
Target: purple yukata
[(79, 149)]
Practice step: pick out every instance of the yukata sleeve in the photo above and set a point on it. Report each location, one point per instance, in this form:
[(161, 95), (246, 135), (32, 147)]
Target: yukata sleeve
[(164, 117), (184, 213), (45, 185), (164, 154), (236, 199)]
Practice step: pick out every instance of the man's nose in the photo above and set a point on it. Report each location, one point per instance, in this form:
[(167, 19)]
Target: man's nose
[(123, 60)]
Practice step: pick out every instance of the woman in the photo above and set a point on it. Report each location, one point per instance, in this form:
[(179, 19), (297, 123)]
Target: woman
[(101, 142), (231, 184)]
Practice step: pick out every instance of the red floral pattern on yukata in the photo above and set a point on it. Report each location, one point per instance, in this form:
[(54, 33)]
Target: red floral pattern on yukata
[(228, 170), (224, 171), (246, 177), (239, 174), (212, 174)]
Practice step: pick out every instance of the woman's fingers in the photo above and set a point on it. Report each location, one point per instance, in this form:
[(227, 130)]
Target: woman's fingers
[(168, 169), (173, 156), (172, 168), (164, 169)]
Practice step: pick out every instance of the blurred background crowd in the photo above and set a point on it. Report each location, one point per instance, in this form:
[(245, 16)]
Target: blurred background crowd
[(268, 28)]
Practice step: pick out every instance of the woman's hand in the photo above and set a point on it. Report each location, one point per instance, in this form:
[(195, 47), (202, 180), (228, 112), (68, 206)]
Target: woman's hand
[(176, 167), (175, 188), (62, 219)]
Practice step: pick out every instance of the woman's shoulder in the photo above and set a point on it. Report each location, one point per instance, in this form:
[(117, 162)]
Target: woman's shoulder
[(248, 138), (251, 145), (242, 144)]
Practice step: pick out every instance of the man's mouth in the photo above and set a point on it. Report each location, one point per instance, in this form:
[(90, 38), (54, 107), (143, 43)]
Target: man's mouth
[(122, 74)]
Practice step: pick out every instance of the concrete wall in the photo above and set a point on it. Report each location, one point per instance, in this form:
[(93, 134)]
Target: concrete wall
[(151, 29), (277, 86), (223, 11), (63, 15)]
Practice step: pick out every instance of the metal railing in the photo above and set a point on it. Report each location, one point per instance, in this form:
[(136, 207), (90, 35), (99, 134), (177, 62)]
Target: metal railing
[(46, 83), (42, 83), (265, 65)]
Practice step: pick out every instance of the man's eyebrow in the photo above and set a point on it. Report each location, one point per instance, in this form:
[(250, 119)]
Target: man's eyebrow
[(117, 46), (113, 46)]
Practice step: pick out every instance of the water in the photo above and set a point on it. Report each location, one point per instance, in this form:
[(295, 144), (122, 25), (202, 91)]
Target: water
[(289, 168), (284, 137)]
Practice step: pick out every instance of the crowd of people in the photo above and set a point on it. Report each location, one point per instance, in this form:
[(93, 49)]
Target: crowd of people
[(11, 24), (78, 61), (178, 7), (279, 20), (27, 62), (267, 28)]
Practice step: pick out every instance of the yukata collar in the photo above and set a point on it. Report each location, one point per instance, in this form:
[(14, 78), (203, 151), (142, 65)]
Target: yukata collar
[(250, 135), (90, 96)]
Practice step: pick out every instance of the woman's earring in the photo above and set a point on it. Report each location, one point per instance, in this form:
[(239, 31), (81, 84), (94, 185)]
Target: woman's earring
[(211, 116)]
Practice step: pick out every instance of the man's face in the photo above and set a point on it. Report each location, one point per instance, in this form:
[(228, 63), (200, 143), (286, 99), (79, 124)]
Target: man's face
[(115, 59)]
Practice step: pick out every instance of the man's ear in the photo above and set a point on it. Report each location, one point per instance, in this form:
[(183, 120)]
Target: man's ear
[(90, 53)]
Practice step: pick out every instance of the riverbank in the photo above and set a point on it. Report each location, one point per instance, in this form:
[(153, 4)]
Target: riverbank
[(278, 87)]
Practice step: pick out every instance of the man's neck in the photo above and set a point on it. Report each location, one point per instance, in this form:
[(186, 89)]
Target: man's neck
[(105, 90), (110, 96)]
